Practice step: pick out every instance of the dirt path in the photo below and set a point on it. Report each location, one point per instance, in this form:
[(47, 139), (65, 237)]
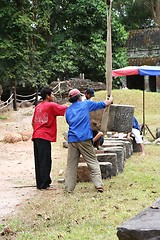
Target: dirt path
[(17, 174), (17, 170), (16, 162)]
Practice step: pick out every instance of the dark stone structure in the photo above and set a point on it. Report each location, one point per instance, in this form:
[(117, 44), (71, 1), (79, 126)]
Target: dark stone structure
[(64, 87), (143, 48), (144, 226)]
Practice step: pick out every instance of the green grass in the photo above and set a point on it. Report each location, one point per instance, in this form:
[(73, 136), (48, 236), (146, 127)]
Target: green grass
[(3, 117), (85, 214)]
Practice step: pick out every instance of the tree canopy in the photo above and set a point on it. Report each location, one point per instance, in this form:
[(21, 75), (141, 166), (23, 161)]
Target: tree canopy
[(41, 41)]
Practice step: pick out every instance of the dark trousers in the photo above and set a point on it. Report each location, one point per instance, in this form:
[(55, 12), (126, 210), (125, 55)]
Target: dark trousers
[(43, 162)]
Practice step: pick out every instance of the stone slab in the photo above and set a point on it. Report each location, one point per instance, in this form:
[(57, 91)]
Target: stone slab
[(120, 156), (109, 157), (127, 142), (83, 172), (106, 169), (143, 226), (116, 139)]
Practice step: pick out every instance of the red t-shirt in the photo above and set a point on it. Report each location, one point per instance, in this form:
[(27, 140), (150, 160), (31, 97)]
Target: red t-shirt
[(44, 120)]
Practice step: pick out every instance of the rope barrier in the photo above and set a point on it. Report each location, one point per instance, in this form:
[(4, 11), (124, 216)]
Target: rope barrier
[(7, 104), (23, 96), (11, 99), (28, 100)]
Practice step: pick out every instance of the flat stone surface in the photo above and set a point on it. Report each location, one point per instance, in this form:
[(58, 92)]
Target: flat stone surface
[(143, 226), (116, 139)]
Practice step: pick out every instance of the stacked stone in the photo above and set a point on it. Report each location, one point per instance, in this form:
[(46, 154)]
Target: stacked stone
[(111, 159), (125, 142), (106, 166)]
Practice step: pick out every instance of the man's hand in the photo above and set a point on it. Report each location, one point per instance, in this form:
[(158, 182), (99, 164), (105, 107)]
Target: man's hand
[(109, 100)]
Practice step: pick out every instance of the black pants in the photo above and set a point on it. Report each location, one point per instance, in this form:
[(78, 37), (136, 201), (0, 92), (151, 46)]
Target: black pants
[(43, 162)]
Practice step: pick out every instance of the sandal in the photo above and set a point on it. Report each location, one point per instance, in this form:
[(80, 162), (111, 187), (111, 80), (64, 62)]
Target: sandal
[(100, 189)]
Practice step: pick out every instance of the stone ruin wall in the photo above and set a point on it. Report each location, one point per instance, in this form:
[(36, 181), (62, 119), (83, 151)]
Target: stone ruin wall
[(143, 47), (81, 84)]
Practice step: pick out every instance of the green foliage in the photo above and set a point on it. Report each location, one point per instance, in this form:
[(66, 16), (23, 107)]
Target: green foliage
[(43, 40), (22, 44), (136, 14)]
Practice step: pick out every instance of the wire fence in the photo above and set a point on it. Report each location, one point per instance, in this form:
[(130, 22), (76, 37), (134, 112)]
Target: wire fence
[(32, 98)]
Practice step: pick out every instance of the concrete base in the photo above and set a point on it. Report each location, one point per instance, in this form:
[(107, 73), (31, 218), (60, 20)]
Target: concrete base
[(144, 226)]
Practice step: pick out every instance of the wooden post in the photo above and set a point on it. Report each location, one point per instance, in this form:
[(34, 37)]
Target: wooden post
[(109, 51), (108, 66), (14, 99), (36, 98)]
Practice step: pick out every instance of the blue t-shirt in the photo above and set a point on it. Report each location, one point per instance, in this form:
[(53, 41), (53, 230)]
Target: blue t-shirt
[(135, 124), (78, 119)]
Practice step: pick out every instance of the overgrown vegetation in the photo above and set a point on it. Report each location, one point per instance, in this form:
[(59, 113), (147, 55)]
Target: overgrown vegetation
[(85, 214)]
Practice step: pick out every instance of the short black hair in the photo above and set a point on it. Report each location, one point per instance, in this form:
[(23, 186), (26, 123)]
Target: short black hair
[(90, 91), (46, 91)]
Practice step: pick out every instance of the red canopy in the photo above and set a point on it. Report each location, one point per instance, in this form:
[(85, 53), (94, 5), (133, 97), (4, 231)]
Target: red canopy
[(130, 70)]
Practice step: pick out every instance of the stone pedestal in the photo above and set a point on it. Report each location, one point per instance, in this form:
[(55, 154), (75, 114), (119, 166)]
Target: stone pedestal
[(144, 226), (120, 118)]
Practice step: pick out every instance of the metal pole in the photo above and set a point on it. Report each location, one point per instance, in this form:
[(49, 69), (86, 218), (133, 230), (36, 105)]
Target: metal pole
[(144, 110)]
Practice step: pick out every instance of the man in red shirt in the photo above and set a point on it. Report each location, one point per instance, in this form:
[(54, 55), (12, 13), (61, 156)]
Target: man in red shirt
[(44, 132)]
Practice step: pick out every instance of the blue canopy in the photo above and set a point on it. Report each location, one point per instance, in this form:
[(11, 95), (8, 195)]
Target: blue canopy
[(143, 71), (149, 71)]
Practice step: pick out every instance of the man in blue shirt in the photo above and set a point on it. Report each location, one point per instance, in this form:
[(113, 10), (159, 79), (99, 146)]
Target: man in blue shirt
[(80, 139)]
